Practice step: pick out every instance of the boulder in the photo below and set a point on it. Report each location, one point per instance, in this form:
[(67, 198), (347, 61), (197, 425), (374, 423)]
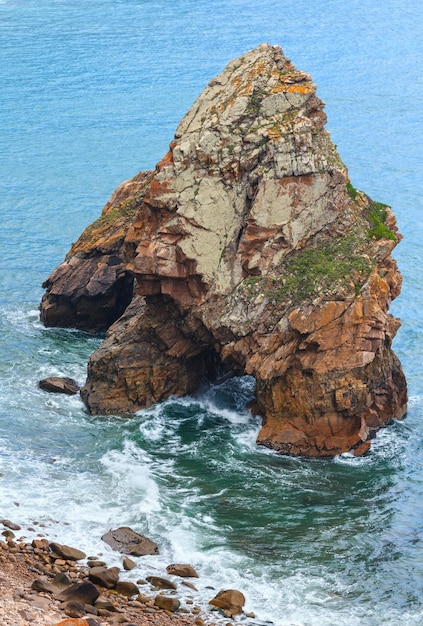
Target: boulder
[(250, 253), (127, 588), (104, 603), (167, 603), (128, 563), (161, 583), (230, 600), (182, 570), (59, 384), (190, 585), (105, 576), (61, 580), (43, 586), (9, 534), (9, 524), (74, 609), (84, 593), (127, 541), (66, 552)]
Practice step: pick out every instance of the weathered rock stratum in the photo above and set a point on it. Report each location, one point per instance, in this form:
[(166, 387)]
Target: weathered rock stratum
[(248, 251)]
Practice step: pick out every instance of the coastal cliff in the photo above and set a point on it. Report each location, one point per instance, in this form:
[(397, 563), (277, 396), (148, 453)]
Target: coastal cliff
[(246, 251)]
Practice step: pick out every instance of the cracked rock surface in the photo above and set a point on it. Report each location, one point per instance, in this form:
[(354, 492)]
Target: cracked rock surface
[(246, 250)]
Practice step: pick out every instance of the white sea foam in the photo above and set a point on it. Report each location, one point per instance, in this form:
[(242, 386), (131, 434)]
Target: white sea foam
[(131, 467)]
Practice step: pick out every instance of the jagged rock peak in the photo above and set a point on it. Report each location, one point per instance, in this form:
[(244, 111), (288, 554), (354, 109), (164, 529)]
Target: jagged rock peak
[(249, 251), (227, 183)]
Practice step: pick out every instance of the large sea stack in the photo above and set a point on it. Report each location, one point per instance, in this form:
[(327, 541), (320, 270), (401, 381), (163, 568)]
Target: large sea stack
[(247, 250)]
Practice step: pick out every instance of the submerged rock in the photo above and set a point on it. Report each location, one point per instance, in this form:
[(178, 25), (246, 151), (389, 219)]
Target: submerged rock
[(161, 583), (59, 384), (251, 252)]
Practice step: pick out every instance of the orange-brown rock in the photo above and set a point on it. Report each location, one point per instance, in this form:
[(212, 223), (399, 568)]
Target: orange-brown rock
[(251, 252), (230, 600)]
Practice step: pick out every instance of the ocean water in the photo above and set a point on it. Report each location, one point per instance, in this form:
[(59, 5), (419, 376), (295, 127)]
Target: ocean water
[(91, 93)]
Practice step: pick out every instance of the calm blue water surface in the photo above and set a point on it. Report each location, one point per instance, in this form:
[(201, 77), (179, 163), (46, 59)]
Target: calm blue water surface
[(91, 93)]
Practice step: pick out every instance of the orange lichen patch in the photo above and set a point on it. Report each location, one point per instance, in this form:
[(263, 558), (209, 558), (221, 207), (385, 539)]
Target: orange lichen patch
[(274, 133), (280, 87), (292, 88), (290, 75), (282, 126), (247, 90), (106, 232), (166, 160), (299, 88), (257, 70), (237, 81), (157, 189)]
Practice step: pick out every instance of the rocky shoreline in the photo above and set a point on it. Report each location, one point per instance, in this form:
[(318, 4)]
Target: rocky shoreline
[(44, 583)]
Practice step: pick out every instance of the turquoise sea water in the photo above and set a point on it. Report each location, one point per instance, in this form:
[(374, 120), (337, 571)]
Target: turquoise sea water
[(91, 93)]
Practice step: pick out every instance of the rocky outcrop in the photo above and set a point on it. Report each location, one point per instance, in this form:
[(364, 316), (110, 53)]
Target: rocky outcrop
[(92, 287), (251, 252)]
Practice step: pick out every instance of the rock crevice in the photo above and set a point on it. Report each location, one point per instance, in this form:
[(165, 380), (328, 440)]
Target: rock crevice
[(246, 249)]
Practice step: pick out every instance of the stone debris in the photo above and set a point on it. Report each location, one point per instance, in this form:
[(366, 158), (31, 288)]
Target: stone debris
[(64, 594)]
